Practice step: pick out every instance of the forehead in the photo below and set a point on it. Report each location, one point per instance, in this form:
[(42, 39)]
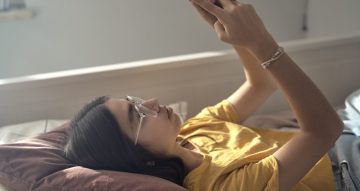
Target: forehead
[(119, 108)]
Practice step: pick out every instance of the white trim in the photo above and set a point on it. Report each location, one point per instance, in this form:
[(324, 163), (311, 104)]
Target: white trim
[(136, 66), (184, 60), (321, 42), (200, 79)]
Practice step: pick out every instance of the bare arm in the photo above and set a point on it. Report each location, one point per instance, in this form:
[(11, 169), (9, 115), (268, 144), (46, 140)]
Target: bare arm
[(257, 88), (238, 24), (319, 124)]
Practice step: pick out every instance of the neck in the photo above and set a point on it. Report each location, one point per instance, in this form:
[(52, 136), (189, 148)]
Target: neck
[(190, 158)]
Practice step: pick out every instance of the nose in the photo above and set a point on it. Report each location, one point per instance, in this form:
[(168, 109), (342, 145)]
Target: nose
[(152, 103)]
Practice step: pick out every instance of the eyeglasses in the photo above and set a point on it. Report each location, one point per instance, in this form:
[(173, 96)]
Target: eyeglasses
[(142, 110)]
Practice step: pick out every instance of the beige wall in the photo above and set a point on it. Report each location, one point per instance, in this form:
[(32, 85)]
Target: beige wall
[(68, 34), (200, 80), (333, 17)]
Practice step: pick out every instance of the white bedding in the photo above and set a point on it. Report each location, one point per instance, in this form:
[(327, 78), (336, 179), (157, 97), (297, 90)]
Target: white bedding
[(18, 132), (351, 114), (2, 188)]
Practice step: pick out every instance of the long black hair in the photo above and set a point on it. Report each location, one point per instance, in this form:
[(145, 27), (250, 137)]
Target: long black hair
[(95, 140)]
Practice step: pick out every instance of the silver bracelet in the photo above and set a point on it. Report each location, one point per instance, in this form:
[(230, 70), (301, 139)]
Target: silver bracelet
[(279, 52)]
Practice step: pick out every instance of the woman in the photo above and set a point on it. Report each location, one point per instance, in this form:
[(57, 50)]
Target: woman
[(212, 151)]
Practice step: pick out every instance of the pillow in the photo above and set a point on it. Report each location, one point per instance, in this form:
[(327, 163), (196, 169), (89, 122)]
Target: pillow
[(39, 164), (351, 114), (180, 108), (14, 133)]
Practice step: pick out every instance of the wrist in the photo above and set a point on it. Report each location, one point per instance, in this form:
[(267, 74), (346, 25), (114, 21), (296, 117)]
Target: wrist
[(264, 49), (243, 51)]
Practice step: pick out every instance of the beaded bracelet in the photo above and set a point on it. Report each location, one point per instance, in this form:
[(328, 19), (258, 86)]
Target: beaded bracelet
[(279, 52)]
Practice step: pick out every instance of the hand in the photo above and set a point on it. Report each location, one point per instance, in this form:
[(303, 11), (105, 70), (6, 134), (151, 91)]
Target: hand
[(236, 23)]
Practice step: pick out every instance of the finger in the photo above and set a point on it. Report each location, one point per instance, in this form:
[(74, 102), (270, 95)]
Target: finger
[(209, 18), (220, 30), (227, 4), (210, 7)]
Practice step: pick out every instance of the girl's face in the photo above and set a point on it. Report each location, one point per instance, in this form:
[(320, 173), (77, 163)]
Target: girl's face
[(157, 134)]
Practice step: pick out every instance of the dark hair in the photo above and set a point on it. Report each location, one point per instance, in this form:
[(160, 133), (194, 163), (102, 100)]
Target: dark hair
[(95, 140)]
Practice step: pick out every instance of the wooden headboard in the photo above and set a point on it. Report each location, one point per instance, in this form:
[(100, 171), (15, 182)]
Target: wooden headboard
[(201, 79)]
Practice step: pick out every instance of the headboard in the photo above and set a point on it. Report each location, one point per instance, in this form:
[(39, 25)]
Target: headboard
[(200, 79)]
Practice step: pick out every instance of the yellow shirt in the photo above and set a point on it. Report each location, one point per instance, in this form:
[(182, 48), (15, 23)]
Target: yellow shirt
[(239, 158)]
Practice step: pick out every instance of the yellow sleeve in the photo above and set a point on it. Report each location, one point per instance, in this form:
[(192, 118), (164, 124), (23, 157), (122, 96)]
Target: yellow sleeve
[(259, 176), (224, 111)]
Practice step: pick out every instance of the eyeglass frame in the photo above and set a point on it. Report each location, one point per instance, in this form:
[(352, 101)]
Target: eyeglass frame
[(142, 111)]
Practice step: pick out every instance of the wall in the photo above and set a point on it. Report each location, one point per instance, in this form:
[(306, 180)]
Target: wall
[(71, 34), (333, 17), (181, 78)]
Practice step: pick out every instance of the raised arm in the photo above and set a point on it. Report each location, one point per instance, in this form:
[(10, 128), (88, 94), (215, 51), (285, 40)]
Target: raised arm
[(257, 88), (259, 85), (320, 126)]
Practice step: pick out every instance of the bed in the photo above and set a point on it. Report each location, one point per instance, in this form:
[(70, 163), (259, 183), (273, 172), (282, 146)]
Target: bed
[(37, 104)]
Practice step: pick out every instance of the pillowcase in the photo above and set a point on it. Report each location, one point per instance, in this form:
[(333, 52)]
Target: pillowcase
[(17, 132), (351, 114), (39, 164)]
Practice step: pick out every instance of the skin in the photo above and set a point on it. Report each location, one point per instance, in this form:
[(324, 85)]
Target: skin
[(320, 125), (238, 24), (157, 134)]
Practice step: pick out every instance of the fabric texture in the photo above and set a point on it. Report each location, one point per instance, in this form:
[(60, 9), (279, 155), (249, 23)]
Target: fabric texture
[(345, 162), (39, 164), (239, 157), (346, 152), (351, 114), (41, 168)]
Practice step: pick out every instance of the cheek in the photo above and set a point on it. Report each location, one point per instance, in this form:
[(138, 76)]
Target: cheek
[(158, 136), (156, 142), (163, 126), (161, 133), (152, 131)]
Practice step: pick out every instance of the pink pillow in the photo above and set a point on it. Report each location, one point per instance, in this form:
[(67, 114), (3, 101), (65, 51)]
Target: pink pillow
[(39, 164)]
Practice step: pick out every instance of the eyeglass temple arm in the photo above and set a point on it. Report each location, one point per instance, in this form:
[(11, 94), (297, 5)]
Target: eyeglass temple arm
[(138, 130)]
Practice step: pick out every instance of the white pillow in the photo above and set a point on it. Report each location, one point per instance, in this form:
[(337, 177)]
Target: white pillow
[(181, 109), (351, 113), (14, 133), (3, 188)]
